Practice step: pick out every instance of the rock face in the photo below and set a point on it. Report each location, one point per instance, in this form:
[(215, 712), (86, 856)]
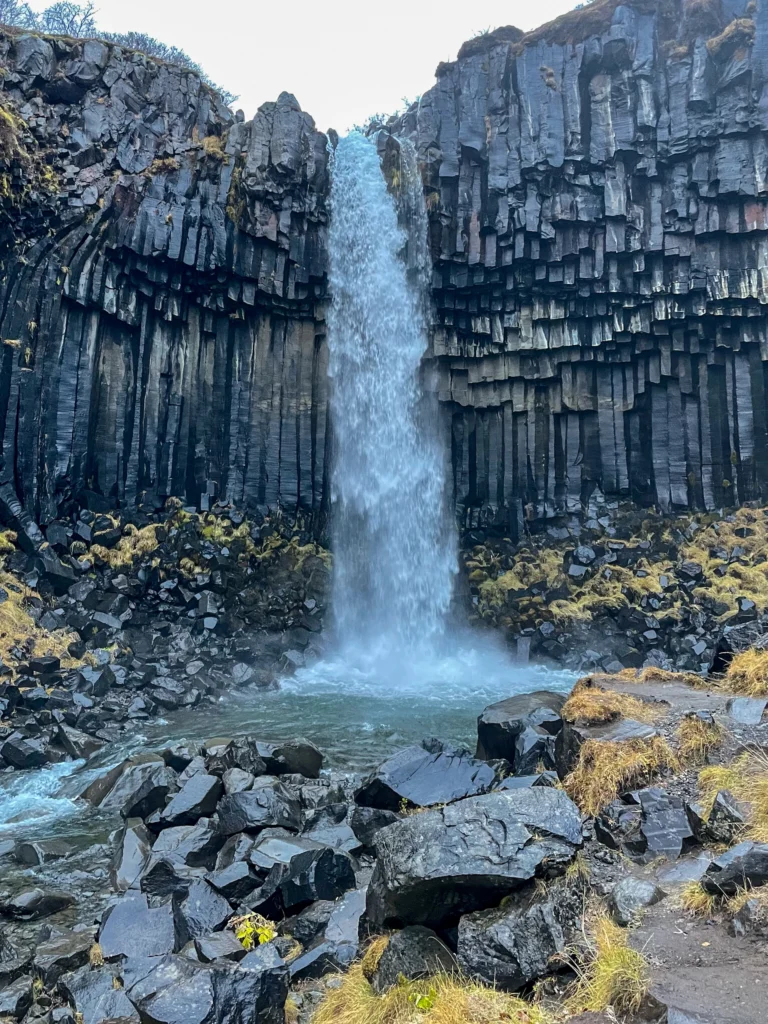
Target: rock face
[(598, 219)]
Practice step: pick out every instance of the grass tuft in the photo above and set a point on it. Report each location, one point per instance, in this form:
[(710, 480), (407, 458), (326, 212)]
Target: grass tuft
[(604, 769), (441, 999), (615, 977), (747, 778), (748, 673), (696, 739), (695, 899), (373, 955), (590, 705)]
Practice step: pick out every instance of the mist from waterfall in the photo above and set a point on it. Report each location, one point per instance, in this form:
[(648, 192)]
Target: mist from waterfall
[(394, 549)]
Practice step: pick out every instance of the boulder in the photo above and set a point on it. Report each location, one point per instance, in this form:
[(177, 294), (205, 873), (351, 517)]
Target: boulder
[(195, 846), (20, 752), (631, 895), (234, 882), (665, 829), (135, 788), (94, 995), (422, 776), (63, 953), (132, 847), (269, 804), (33, 904), (201, 911), (178, 990), (743, 865), (220, 946), (78, 745), (132, 928), (298, 870), (15, 999), (367, 822), (196, 799), (512, 945), (573, 735), (338, 944), (295, 757), (727, 819), (413, 953), (521, 729), (434, 866)]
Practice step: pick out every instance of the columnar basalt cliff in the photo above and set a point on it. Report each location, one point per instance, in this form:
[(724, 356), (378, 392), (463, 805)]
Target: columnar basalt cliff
[(598, 196)]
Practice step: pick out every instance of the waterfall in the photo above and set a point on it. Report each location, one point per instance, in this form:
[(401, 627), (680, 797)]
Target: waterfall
[(394, 551)]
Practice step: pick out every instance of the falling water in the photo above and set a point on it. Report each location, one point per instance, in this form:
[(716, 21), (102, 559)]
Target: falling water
[(395, 556)]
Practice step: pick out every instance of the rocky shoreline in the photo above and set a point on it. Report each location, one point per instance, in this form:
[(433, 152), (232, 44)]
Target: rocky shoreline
[(245, 882)]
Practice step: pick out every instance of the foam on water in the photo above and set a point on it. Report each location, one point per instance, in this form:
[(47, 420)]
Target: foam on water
[(33, 798)]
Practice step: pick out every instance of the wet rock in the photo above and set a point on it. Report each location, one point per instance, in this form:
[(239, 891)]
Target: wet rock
[(20, 752), (420, 777), (197, 798), (201, 911), (164, 878), (63, 953), (526, 781), (220, 946), (742, 865), (194, 846), (234, 882), (434, 866), (131, 928), (36, 903), (512, 946), (665, 829), (94, 994), (632, 895), (135, 788), (213, 993), (235, 780), (573, 735), (268, 805), (329, 826), (298, 870), (132, 849), (16, 999), (310, 923), (41, 851), (413, 953), (521, 729), (338, 945), (295, 757), (367, 822), (77, 744)]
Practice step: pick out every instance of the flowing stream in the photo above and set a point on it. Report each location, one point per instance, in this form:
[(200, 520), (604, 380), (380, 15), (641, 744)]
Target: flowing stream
[(398, 667)]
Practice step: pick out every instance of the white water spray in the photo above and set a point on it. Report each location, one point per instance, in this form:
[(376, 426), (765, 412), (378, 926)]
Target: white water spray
[(394, 553)]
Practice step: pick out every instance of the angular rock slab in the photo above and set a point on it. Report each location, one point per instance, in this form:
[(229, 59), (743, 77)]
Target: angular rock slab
[(433, 867), (743, 865), (421, 777), (269, 804), (299, 870), (521, 729), (413, 953)]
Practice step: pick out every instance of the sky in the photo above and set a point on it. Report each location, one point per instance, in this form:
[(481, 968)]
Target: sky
[(343, 59)]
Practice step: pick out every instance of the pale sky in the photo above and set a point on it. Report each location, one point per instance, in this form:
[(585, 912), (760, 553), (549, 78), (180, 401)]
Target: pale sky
[(343, 59)]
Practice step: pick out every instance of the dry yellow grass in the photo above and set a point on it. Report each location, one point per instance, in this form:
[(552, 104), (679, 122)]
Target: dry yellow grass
[(615, 977), (605, 769), (442, 999), (746, 895), (695, 899), (373, 955), (19, 629), (727, 580), (697, 739), (748, 673), (592, 706), (612, 588), (747, 778), (652, 674)]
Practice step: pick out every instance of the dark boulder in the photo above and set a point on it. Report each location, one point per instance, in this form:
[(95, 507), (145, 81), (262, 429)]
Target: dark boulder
[(202, 910), (295, 757), (131, 852), (413, 953), (21, 752), (366, 822), (135, 788), (743, 865), (270, 804), (422, 776), (36, 903), (727, 819), (196, 799), (632, 895), (220, 946), (234, 882), (15, 999), (63, 953), (434, 866), (665, 829), (78, 745), (132, 928), (573, 735), (512, 946), (299, 870), (95, 995), (521, 730), (178, 990), (195, 846)]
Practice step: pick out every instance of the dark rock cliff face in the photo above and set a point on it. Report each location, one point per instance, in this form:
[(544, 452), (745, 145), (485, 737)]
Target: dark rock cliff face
[(160, 324), (598, 196)]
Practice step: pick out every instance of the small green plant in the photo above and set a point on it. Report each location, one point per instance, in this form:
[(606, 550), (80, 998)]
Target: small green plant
[(253, 930), (424, 1001)]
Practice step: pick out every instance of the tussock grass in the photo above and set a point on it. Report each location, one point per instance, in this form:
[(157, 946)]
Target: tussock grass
[(695, 899), (441, 999), (748, 673), (740, 32), (652, 674), (612, 588), (19, 630), (697, 739), (746, 895), (592, 706), (373, 955), (615, 976), (747, 778), (605, 769)]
